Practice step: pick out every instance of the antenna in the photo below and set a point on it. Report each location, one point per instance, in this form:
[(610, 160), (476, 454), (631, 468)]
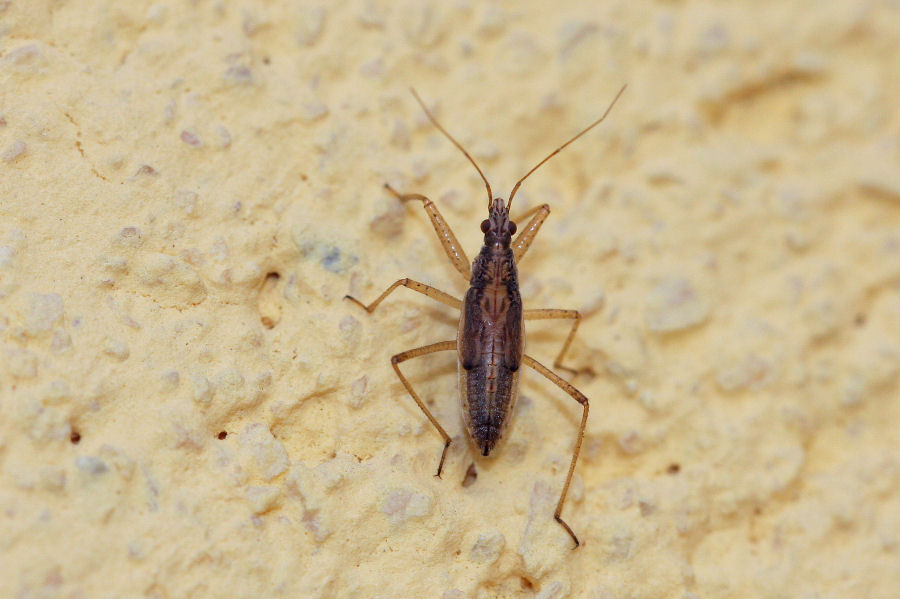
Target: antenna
[(456, 143), (557, 150)]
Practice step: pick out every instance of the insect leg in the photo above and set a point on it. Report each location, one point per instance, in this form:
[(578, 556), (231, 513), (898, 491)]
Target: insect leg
[(580, 398), (548, 313), (445, 234), (435, 294), (415, 353), (527, 234)]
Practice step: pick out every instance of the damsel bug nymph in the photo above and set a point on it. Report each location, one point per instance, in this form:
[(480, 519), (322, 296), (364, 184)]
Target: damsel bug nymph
[(490, 341)]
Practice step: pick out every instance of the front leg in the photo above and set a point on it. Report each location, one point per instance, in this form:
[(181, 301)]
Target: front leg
[(527, 234), (444, 232)]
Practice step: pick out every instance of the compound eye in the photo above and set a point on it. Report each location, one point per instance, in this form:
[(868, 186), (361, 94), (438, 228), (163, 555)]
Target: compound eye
[(511, 228), (485, 226)]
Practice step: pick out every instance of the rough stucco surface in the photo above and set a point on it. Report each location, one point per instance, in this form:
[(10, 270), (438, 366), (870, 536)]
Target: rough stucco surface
[(188, 189)]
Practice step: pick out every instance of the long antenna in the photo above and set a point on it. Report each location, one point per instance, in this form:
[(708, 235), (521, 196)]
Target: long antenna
[(455, 143), (557, 150)]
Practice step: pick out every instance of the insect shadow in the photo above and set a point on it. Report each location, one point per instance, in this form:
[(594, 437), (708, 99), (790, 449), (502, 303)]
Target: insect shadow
[(490, 341)]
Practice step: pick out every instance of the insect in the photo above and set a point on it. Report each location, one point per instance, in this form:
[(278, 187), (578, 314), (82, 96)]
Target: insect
[(490, 341)]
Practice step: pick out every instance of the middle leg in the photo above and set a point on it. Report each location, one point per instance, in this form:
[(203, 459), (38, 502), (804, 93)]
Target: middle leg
[(435, 294), (553, 313)]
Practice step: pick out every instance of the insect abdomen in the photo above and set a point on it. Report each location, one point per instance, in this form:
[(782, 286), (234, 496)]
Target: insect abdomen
[(490, 352)]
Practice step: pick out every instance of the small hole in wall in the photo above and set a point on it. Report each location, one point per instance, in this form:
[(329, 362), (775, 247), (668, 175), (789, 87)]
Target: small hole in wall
[(674, 468), (222, 435), (75, 437)]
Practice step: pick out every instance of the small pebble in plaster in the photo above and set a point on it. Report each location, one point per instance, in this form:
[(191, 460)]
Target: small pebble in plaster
[(171, 281), (551, 590), (91, 465), (311, 108), (20, 363), (6, 255), (487, 548), (373, 69), (191, 138), (358, 392), (424, 24), (747, 372), (518, 53), (156, 14), (136, 550), (263, 498), (15, 151), (252, 23), (631, 442), (57, 392), (388, 220), (116, 349), (52, 478), (229, 382), (239, 74), (349, 327), (202, 389), (182, 432), (186, 200), (400, 135), (115, 161), (316, 487), (130, 237), (401, 505), (114, 264), (121, 463), (493, 20), (268, 453), (170, 380), (334, 261), (673, 305), (372, 14), (223, 137), (219, 250), (169, 112), (312, 22), (145, 170)]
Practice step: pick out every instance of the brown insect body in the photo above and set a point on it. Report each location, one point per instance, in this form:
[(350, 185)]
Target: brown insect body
[(490, 340), (491, 335)]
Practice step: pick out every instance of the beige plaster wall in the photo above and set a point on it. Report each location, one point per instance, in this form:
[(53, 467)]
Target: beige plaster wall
[(189, 188)]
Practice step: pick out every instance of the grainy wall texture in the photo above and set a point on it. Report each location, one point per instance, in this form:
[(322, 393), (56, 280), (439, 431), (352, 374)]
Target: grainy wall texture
[(188, 407)]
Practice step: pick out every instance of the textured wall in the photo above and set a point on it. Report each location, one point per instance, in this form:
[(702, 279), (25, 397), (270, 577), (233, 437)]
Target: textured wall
[(188, 408)]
